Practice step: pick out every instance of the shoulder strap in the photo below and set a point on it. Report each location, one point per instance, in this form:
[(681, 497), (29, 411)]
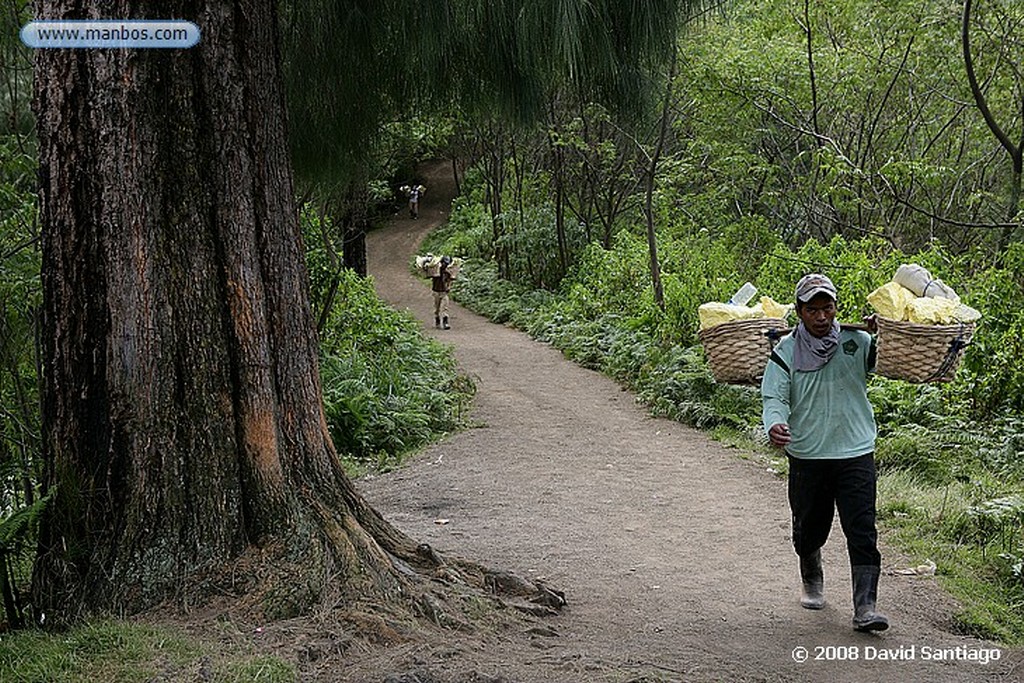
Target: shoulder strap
[(777, 359)]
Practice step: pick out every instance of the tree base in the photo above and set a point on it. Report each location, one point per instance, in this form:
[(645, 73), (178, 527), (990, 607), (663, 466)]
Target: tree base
[(263, 607)]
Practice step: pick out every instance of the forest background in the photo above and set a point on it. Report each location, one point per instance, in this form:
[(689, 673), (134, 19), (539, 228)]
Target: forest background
[(841, 137)]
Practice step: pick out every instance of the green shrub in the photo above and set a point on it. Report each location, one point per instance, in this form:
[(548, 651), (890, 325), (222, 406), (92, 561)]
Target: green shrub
[(387, 388), (916, 450)]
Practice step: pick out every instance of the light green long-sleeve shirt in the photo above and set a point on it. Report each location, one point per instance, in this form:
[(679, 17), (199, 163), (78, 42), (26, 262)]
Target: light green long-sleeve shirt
[(828, 411)]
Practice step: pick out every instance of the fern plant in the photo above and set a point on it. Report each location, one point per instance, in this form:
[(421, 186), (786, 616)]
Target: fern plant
[(17, 540)]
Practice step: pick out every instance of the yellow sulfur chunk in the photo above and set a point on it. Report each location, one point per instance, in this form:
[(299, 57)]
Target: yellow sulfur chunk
[(927, 311), (891, 301), (773, 309), (714, 313)]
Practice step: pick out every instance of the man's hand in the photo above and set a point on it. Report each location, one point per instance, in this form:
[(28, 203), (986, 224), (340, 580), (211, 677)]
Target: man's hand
[(779, 434), (872, 322)]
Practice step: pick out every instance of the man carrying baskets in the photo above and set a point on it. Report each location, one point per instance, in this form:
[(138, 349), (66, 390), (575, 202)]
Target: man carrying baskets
[(441, 284), (815, 406)]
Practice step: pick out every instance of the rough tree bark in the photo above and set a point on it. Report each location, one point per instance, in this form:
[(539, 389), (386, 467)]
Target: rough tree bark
[(183, 422)]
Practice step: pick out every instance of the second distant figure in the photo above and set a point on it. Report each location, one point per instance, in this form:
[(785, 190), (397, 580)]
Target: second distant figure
[(415, 192), (441, 284)]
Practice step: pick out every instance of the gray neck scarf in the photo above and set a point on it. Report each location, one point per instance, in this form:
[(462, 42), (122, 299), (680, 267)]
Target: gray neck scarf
[(810, 353)]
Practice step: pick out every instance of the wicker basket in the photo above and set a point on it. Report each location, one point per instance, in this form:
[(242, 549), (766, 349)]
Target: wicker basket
[(738, 351), (920, 353)]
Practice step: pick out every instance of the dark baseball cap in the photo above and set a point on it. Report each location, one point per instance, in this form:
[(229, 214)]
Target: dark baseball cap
[(812, 285)]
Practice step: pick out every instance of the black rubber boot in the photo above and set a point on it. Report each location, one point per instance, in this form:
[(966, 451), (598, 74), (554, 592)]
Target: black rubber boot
[(444, 323), (865, 593), (437, 321), (813, 577)]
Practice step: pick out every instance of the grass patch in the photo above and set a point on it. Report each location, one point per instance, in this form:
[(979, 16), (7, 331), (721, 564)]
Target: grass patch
[(730, 437), (123, 652), (974, 554)]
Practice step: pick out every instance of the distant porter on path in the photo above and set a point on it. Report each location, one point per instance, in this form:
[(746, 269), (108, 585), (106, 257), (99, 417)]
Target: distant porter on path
[(441, 284), (414, 192), (815, 406)]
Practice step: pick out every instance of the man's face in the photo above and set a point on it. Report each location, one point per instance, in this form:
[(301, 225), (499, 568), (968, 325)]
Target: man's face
[(818, 314)]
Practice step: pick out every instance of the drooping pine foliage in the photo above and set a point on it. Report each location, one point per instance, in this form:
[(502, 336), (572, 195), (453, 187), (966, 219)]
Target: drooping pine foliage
[(353, 66)]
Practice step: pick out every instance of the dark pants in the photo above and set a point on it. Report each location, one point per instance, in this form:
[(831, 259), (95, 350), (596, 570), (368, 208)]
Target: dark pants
[(817, 488)]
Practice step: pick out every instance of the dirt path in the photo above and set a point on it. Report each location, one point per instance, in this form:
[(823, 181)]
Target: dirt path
[(673, 551)]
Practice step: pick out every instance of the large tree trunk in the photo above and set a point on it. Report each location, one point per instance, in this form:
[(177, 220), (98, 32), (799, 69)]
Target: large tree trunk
[(183, 422)]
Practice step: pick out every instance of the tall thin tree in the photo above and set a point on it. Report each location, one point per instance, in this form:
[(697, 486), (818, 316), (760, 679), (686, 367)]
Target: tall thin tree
[(1015, 150)]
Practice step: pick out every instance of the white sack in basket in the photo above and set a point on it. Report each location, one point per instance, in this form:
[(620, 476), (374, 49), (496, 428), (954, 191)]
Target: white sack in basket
[(919, 281)]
